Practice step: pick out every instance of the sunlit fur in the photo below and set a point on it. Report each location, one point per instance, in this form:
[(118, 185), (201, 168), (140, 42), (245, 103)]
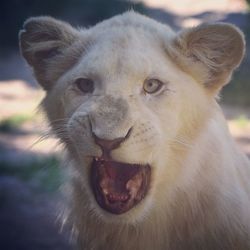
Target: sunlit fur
[(199, 195)]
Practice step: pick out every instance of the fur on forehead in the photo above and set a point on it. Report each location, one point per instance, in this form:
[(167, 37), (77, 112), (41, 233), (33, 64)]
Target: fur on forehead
[(129, 28), (134, 20)]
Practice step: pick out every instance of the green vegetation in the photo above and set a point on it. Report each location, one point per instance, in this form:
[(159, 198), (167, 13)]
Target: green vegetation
[(242, 121), (13, 122), (45, 174), (237, 92), (248, 2)]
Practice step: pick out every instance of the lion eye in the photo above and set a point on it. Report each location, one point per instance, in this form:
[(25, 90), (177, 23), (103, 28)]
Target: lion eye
[(152, 86), (85, 85)]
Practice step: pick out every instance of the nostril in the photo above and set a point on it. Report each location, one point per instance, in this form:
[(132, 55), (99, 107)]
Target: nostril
[(108, 145)]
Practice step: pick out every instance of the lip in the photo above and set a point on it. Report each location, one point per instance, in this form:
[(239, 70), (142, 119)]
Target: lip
[(118, 186)]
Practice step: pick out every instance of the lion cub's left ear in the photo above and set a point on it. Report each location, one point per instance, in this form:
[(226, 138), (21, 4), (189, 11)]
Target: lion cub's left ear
[(44, 43), (209, 52)]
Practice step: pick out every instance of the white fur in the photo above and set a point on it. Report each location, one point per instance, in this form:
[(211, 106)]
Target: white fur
[(199, 193)]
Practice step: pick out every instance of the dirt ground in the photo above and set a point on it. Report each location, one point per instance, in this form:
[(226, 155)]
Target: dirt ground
[(191, 7)]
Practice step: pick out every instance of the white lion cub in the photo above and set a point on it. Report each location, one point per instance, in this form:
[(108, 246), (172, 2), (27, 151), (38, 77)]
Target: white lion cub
[(153, 164)]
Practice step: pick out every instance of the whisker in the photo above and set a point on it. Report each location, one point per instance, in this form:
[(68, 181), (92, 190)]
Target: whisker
[(59, 120), (39, 140), (181, 142)]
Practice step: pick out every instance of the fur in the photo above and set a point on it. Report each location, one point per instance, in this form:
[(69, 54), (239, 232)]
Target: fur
[(199, 195)]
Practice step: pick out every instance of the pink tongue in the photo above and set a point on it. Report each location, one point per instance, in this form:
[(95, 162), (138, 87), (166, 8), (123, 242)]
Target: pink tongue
[(120, 171)]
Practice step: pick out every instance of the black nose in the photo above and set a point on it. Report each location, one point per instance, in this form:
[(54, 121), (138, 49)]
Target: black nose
[(109, 145)]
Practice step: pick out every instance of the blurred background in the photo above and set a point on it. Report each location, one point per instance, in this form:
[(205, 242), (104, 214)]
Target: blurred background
[(30, 175)]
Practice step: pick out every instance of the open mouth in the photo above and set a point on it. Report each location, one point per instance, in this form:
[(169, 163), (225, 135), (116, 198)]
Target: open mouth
[(117, 186)]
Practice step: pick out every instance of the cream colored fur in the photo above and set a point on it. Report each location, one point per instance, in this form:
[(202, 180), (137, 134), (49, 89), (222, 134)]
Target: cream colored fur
[(199, 196)]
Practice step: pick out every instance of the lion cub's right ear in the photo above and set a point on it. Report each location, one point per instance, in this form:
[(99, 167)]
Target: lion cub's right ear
[(42, 41), (209, 52)]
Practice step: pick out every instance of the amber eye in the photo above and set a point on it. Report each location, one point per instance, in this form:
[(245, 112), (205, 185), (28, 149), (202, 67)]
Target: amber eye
[(85, 85), (152, 85)]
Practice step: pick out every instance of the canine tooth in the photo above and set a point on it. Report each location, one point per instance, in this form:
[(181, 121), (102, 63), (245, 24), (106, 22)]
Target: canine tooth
[(132, 187), (105, 191)]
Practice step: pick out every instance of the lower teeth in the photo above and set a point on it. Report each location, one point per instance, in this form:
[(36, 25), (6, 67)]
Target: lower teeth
[(117, 197)]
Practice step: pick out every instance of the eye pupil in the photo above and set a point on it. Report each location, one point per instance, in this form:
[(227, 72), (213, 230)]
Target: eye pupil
[(151, 86), (85, 85)]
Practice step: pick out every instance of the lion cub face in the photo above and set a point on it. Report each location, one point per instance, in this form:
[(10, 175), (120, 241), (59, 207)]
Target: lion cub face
[(125, 97)]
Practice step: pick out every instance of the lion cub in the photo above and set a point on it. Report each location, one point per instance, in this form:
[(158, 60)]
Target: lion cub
[(153, 164)]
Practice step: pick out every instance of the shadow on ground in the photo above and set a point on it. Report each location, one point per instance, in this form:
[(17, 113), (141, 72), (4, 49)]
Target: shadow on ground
[(28, 218)]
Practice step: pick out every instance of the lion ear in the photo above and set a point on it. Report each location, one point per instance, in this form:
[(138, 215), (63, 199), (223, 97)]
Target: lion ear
[(209, 52), (41, 41)]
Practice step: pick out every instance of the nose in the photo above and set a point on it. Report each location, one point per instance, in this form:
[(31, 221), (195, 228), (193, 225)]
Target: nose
[(108, 145)]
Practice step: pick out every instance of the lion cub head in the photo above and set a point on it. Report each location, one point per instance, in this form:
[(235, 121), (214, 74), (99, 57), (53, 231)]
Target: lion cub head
[(126, 97)]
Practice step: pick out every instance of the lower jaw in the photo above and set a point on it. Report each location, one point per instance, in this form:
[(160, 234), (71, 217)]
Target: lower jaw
[(117, 207)]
